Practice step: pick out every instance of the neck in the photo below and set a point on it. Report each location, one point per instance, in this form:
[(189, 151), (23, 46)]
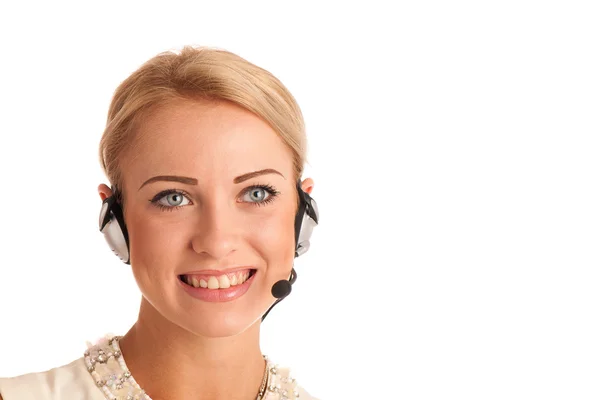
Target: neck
[(169, 362)]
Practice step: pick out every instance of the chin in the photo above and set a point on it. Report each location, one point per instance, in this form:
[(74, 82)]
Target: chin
[(221, 323), (221, 319)]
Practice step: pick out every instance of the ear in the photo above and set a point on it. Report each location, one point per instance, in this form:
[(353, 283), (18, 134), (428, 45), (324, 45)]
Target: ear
[(104, 192), (308, 185)]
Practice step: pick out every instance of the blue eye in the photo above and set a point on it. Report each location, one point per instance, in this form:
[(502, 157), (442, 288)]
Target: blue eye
[(170, 200), (258, 194), (173, 200), (261, 195)]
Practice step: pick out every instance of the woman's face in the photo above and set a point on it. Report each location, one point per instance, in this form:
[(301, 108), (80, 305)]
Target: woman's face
[(198, 216)]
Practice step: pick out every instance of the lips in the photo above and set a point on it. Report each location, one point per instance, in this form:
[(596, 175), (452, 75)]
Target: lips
[(215, 286)]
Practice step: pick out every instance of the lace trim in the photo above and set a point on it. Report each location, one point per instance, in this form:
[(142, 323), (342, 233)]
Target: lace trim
[(106, 365)]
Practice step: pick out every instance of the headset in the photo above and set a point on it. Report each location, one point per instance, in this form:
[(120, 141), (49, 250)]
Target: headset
[(112, 225)]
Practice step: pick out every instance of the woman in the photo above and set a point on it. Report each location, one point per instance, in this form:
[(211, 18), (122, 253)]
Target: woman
[(205, 152)]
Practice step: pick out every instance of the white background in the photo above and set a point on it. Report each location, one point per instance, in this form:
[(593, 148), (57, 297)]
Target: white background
[(455, 149)]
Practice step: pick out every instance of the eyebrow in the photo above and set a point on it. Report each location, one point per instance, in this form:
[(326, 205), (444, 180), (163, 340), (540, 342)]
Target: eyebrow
[(171, 178), (194, 181), (251, 175)]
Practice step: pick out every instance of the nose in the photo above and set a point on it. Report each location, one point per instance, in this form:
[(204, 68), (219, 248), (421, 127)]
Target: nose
[(217, 231)]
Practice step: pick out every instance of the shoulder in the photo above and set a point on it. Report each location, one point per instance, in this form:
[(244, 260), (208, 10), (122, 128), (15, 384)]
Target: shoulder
[(72, 379)]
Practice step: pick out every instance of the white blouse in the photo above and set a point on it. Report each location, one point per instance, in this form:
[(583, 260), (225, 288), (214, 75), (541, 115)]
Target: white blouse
[(102, 374)]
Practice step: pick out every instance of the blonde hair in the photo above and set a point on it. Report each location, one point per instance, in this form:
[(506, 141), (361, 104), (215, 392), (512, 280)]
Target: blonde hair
[(199, 72)]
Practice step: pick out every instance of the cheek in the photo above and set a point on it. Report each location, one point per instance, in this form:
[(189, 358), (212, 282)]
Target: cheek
[(153, 242), (275, 238)]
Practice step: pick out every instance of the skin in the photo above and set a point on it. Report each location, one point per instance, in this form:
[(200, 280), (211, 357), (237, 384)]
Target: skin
[(182, 347)]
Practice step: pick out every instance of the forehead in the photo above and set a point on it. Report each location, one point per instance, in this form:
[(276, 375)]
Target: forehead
[(206, 140)]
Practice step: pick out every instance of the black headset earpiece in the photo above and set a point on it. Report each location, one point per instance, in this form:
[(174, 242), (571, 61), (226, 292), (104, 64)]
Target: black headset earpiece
[(112, 225), (307, 217)]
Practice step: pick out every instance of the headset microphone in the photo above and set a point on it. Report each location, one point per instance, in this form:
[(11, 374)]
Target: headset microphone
[(281, 289)]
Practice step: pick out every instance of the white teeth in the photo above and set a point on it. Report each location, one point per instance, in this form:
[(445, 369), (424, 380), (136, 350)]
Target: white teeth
[(221, 282), (213, 283), (224, 282)]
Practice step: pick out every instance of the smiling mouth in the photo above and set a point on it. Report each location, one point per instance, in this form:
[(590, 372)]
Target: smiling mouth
[(214, 282)]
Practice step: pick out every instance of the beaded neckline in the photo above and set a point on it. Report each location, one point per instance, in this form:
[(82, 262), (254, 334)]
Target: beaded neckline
[(105, 363)]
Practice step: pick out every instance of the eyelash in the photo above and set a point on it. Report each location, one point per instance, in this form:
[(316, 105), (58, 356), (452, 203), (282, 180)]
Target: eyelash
[(273, 193)]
